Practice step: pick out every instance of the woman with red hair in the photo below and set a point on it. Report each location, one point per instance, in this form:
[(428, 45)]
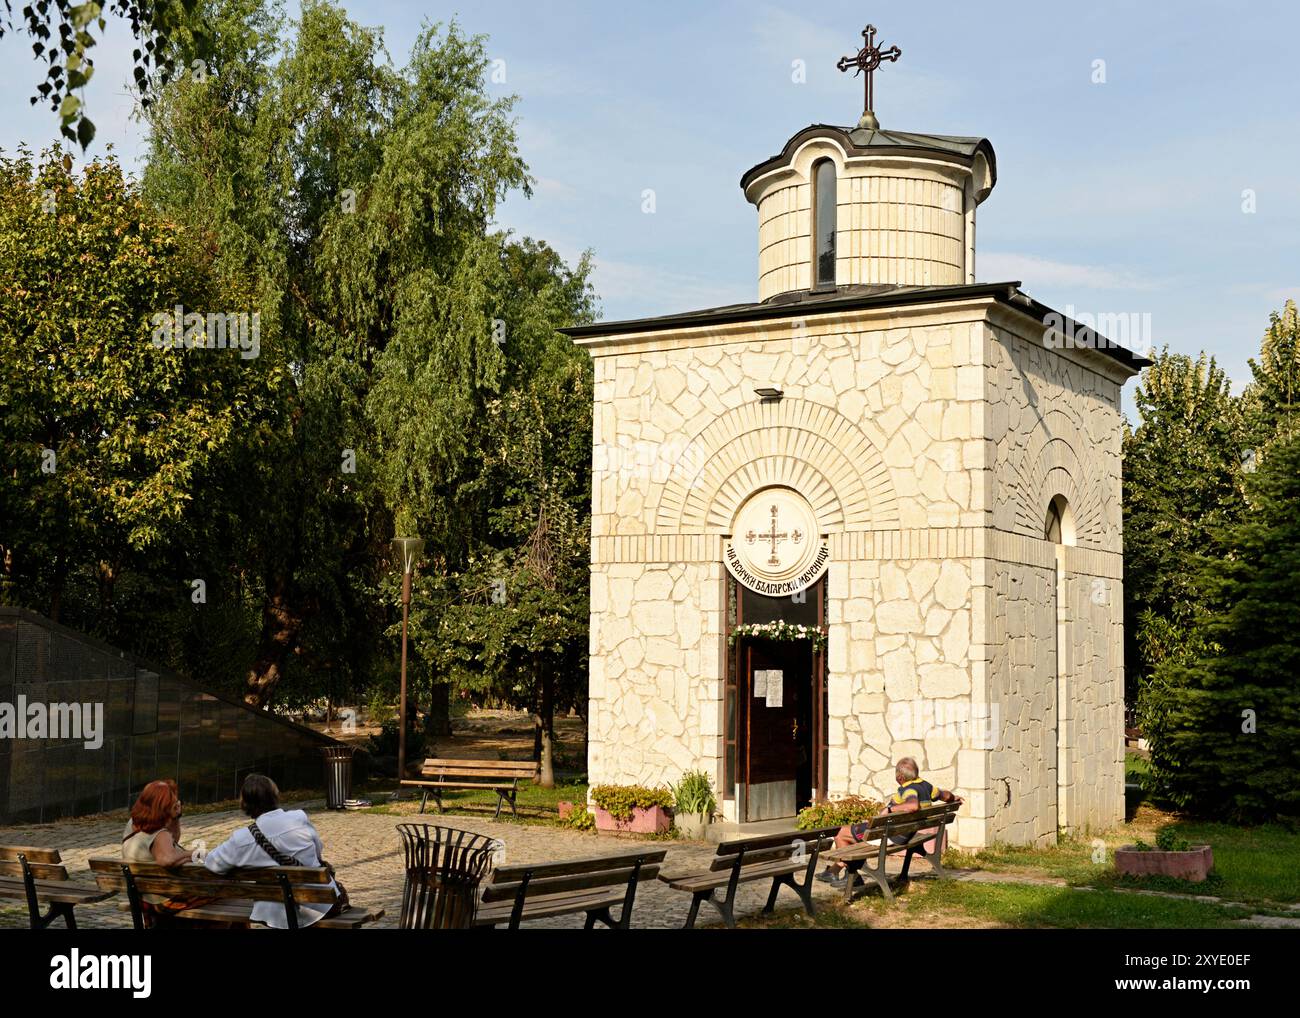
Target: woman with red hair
[(154, 831), (153, 834)]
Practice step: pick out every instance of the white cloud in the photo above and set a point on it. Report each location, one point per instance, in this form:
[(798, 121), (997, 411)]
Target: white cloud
[(651, 290), (551, 188), (1044, 272)]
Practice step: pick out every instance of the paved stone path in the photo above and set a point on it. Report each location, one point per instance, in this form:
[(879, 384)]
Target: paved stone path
[(365, 849)]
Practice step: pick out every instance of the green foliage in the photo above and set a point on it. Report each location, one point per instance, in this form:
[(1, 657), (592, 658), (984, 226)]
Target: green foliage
[(1224, 727), (1272, 400), (1169, 840), (170, 35), (779, 630), (349, 203), (108, 444), (620, 800), (694, 794), (1182, 477), (851, 809), (579, 819), (386, 742)]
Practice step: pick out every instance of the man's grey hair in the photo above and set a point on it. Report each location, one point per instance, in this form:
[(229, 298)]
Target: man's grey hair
[(906, 770)]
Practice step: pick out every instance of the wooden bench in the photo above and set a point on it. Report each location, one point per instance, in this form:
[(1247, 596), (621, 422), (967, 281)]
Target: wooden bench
[(38, 876), (501, 776), (236, 892), (780, 857), (914, 829), (594, 886)]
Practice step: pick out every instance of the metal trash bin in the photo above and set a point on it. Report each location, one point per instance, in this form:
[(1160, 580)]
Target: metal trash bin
[(444, 868), (338, 774)]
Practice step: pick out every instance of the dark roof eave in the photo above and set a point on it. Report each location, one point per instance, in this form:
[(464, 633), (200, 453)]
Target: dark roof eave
[(944, 148), (1008, 294)]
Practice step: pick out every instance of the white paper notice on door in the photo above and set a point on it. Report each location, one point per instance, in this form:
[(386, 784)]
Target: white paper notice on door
[(760, 683), (775, 688)]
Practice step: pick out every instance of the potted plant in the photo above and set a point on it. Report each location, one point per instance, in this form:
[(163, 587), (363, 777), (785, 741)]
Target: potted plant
[(693, 804), (632, 809), (849, 809), (1172, 856)]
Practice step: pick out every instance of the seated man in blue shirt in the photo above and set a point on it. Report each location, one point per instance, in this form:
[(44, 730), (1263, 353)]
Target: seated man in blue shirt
[(913, 793)]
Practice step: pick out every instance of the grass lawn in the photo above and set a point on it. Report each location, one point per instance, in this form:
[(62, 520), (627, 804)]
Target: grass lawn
[(930, 903), (1251, 864)]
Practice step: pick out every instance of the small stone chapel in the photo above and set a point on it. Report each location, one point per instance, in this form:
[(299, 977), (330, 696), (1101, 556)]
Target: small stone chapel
[(908, 464)]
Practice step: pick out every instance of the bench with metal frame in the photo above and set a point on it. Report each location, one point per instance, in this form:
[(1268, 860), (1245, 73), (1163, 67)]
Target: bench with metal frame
[(779, 857), (235, 893), (501, 776), (39, 877), (912, 829), (594, 886)]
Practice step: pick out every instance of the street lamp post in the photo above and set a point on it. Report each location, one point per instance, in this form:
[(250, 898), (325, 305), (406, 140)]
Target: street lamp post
[(409, 549)]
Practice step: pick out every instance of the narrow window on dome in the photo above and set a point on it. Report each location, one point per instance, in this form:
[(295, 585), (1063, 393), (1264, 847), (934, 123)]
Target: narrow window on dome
[(824, 227)]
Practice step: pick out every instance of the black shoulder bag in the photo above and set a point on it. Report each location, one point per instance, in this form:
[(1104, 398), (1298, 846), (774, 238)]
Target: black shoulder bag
[(281, 859)]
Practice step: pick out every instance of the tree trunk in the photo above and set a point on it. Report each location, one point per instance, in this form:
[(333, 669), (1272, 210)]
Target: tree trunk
[(57, 583), (545, 727), (281, 628), (438, 721)]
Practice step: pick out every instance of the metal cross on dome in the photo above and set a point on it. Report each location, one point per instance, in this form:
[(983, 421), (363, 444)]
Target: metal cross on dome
[(866, 60)]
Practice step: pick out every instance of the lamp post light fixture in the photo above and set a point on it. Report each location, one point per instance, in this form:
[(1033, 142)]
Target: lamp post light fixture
[(769, 392), (409, 550)]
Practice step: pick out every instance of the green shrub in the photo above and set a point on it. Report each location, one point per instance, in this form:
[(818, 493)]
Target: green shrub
[(694, 794), (851, 809), (385, 743), (579, 819), (1169, 840), (619, 800)]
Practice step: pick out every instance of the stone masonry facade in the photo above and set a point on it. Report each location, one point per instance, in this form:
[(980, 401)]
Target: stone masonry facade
[(930, 440)]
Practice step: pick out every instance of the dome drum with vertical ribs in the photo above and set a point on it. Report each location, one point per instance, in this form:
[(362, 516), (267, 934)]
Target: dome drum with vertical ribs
[(902, 214)]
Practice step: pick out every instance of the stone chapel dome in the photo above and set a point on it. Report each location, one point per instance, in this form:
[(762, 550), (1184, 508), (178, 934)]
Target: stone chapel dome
[(846, 206)]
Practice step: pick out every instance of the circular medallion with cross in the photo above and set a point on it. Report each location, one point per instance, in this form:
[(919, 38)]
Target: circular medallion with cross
[(775, 546)]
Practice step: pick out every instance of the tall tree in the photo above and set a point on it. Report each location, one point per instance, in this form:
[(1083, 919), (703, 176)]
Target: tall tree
[(351, 201), (106, 436), (1182, 476), (1225, 724), (1272, 399)]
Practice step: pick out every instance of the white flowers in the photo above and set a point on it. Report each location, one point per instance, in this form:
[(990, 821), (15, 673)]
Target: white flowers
[(780, 630)]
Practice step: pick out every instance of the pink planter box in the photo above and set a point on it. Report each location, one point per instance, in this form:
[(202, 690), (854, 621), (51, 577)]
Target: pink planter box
[(655, 820), (1193, 865)]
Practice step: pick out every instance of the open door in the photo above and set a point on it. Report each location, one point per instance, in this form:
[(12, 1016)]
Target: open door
[(779, 751)]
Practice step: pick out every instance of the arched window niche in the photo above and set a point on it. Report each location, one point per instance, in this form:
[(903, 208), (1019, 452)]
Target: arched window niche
[(824, 211), (1059, 525)]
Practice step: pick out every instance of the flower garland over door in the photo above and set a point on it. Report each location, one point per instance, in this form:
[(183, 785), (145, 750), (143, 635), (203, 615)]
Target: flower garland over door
[(779, 630)]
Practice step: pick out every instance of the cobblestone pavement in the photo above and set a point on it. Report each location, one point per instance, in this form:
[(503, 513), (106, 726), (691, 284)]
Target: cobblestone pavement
[(365, 849)]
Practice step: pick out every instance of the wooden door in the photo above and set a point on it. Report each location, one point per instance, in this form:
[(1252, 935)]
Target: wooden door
[(778, 770)]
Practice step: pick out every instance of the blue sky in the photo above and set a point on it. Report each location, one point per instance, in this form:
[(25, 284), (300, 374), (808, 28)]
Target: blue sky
[(1125, 196)]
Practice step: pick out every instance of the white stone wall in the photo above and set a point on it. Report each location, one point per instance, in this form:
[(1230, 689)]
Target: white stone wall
[(1092, 702), (1022, 677), (898, 220), (929, 442), (1053, 427), (656, 687)]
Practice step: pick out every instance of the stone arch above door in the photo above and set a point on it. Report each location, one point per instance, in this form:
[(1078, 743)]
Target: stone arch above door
[(791, 442)]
